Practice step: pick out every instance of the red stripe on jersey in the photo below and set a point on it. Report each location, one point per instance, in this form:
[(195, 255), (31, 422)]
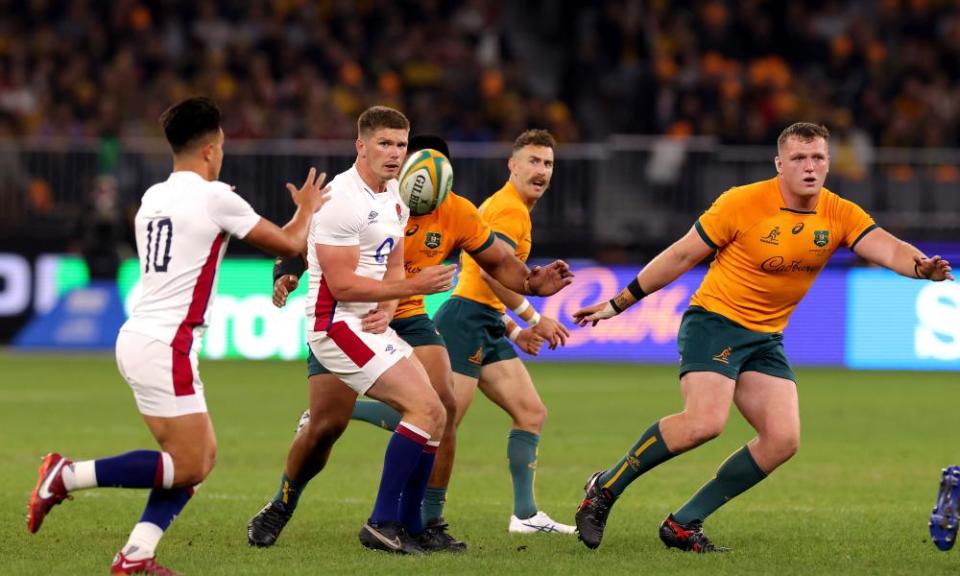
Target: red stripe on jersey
[(350, 343), (326, 305), (183, 340)]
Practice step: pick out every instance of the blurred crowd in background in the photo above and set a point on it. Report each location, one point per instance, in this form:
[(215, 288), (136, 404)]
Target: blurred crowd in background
[(81, 80), (483, 70)]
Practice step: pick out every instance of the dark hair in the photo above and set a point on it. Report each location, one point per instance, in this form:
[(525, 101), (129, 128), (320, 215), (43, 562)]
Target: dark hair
[(424, 141), (805, 131), (535, 137), (188, 122), (377, 117)]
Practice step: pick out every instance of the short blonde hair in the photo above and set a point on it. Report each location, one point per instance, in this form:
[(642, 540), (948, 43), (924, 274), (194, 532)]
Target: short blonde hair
[(804, 131)]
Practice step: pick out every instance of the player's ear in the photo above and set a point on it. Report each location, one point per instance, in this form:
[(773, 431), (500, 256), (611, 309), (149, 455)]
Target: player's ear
[(207, 150), (359, 146), (776, 163)]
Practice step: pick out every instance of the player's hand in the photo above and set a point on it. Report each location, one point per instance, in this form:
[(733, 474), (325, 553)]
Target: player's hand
[(550, 279), (593, 314), (529, 342), (312, 195), (935, 268), (552, 331), (375, 322), (433, 279), (282, 288)]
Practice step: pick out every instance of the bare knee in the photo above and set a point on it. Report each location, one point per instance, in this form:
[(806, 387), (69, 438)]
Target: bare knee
[(782, 445), (435, 413), (209, 461), (705, 427), (193, 467), (531, 417), (323, 431)]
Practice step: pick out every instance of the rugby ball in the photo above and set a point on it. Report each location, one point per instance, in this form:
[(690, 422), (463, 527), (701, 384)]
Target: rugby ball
[(425, 180)]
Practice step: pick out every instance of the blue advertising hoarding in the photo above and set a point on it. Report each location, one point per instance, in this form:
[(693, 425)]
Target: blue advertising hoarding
[(896, 322), (647, 332), (861, 318)]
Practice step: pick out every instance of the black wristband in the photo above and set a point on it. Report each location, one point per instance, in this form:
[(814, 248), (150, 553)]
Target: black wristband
[(291, 265), (616, 308), (635, 290)]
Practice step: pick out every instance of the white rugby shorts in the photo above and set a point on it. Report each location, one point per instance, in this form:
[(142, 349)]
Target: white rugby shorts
[(358, 358), (165, 382)]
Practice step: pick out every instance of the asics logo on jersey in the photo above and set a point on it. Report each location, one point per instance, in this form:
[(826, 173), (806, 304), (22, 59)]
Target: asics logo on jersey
[(45, 487)]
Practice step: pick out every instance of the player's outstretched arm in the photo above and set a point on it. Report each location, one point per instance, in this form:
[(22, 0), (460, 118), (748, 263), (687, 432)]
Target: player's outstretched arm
[(292, 238), (500, 262), (339, 264), (669, 265), (883, 248)]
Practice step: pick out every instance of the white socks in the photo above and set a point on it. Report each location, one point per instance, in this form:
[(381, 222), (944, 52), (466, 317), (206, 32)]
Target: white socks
[(143, 541), (80, 475)]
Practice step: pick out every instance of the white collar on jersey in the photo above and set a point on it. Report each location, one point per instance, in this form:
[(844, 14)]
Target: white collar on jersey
[(355, 174), (187, 174)]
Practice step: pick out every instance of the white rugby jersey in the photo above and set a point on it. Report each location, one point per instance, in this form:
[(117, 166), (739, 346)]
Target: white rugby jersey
[(183, 226), (355, 215)]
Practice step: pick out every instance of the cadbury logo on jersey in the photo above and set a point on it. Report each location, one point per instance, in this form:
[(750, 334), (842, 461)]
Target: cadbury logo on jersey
[(779, 264)]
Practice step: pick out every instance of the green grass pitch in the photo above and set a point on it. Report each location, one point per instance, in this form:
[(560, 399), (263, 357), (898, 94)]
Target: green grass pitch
[(855, 499)]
